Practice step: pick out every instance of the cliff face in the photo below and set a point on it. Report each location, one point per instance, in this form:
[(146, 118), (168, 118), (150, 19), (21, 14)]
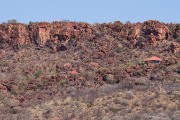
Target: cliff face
[(13, 35), (42, 32), (58, 34)]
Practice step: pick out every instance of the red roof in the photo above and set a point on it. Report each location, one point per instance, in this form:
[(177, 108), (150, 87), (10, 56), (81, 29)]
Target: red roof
[(154, 58), (73, 72)]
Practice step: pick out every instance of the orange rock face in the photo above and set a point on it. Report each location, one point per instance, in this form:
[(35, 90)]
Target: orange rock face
[(156, 29), (39, 33), (58, 34), (135, 31), (14, 34), (175, 47)]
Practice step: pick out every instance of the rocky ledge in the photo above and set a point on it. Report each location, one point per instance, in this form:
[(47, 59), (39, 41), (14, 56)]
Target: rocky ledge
[(58, 35)]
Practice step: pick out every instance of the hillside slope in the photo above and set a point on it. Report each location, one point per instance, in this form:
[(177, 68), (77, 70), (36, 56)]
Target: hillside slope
[(70, 70)]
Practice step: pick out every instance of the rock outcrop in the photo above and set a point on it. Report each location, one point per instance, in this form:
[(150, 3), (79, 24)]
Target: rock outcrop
[(175, 47), (14, 35), (156, 29), (58, 34)]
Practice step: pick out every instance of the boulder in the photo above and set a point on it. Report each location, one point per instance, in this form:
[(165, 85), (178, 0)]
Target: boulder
[(175, 47), (156, 29)]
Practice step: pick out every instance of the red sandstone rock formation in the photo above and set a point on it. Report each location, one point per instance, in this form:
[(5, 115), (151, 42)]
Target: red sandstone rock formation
[(175, 47), (135, 31), (14, 34), (156, 29), (58, 34), (39, 33)]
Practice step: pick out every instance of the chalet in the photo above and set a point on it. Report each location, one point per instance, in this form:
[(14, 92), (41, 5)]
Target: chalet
[(153, 59)]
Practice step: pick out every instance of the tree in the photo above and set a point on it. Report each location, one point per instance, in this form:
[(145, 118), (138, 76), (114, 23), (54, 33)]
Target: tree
[(12, 21)]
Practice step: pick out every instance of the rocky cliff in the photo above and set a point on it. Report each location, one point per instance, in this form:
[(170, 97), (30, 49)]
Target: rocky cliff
[(58, 34)]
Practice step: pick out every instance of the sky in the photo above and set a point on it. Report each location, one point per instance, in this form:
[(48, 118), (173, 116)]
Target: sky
[(91, 11)]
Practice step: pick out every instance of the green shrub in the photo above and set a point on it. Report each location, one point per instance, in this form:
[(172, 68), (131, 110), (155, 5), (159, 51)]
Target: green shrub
[(64, 82), (3, 63), (12, 21), (37, 73)]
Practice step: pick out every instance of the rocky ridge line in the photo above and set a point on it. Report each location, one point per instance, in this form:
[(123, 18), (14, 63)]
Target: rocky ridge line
[(57, 35)]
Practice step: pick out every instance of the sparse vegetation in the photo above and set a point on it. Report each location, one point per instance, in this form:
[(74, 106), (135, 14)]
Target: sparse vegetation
[(12, 21), (97, 77)]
